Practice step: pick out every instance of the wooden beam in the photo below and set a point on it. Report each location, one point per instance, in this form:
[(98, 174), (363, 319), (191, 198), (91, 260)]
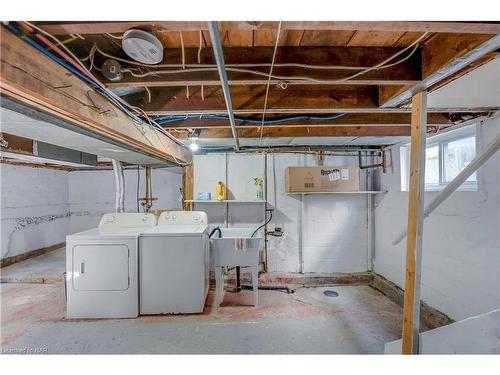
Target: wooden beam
[(64, 28), (351, 119), (299, 98), (31, 78), (408, 72), (443, 55), (411, 309), (333, 131)]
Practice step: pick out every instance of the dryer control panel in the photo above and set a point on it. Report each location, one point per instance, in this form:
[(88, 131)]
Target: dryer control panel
[(128, 220)]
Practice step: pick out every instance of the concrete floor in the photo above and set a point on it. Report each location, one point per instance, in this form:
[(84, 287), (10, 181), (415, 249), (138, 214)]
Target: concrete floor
[(44, 269), (359, 320)]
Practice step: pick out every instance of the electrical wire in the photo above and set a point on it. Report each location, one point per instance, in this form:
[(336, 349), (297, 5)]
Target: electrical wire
[(237, 67), (269, 80), (73, 60), (248, 65), (199, 48), (148, 92), (114, 36)]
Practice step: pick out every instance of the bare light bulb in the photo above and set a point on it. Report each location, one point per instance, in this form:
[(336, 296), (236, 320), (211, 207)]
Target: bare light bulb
[(194, 146)]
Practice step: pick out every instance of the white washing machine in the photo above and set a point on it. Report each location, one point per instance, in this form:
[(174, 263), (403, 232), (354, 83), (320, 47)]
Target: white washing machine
[(174, 264), (102, 267)]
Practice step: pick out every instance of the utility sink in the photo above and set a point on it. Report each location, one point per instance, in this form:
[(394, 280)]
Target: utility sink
[(225, 248), (235, 247)]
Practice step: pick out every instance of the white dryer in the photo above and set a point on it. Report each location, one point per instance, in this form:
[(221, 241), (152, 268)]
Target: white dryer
[(102, 267), (174, 264)]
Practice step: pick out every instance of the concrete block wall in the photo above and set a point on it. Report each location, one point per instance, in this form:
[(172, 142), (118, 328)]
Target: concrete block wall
[(92, 193), (41, 206), (461, 241), (327, 233), (34, 209)]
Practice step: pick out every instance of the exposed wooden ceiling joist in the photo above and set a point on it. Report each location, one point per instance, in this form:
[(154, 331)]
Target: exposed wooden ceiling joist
[(407, 72), (351, 119), (64, 28), (251, 98), (334, 131)]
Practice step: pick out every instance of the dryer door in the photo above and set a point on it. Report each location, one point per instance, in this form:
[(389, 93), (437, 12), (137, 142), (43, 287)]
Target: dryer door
[(101, 267)]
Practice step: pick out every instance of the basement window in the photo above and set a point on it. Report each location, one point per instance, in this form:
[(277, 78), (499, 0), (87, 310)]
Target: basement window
[(446, 155)]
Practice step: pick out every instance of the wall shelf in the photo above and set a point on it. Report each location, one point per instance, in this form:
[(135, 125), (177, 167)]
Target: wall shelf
[(339, 192), (225, 201)]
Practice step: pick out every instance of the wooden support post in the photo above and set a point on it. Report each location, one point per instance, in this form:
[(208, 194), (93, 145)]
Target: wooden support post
[(411, 310), (187, 187)]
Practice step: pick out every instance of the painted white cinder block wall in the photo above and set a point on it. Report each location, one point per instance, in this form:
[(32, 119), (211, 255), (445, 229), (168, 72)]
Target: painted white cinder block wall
[(35, 208), (461, 241), (331, 229), (41, 206), (92, 193)]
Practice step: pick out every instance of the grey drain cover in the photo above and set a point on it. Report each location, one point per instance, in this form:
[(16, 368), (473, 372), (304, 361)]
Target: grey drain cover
[(330, 293)]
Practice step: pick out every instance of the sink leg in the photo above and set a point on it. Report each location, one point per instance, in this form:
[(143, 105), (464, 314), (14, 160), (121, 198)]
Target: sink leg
[(255, 284), (219, 286)]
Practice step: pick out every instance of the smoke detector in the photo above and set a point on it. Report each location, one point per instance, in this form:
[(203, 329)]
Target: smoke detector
[(142, 46)]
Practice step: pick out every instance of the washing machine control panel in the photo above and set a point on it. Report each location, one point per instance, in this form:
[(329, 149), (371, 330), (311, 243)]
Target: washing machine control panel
[(182, 217)]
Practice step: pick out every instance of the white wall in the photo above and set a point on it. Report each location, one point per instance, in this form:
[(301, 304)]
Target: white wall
[(475, 335), (331, 229), (461, 241), (35, 208), (41, 206), (92, 193)]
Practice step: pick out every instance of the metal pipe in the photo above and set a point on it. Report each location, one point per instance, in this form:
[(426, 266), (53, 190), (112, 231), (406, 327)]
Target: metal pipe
[(120, 185), (265, 211), (473, 166), (219, 58)]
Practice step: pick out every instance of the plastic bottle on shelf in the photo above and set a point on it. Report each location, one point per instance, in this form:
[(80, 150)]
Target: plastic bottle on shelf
[(220, 191)]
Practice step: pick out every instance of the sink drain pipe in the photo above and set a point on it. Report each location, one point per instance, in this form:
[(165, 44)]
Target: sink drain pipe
[(284, 288), (120, 186)]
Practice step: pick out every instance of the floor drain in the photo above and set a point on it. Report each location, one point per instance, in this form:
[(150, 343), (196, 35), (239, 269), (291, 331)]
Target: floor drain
[(330, 293)]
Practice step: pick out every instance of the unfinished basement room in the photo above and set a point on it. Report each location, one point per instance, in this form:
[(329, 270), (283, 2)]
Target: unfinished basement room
[(224, 185)]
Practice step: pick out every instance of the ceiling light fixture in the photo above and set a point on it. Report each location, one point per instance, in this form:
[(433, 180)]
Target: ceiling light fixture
[(193, 137), (194, 146), (142, 46)]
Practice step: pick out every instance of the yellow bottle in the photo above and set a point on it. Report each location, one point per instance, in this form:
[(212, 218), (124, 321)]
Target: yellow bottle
[(220, 191)]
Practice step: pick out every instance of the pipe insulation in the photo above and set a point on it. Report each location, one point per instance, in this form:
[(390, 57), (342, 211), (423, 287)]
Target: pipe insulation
[(473, 166), (120, 186)]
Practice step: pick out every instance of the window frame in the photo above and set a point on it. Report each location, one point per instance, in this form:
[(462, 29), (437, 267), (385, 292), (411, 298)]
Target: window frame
[(440, 140)]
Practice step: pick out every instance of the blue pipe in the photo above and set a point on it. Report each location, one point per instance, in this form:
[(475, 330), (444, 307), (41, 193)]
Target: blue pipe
[(162, 120)]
